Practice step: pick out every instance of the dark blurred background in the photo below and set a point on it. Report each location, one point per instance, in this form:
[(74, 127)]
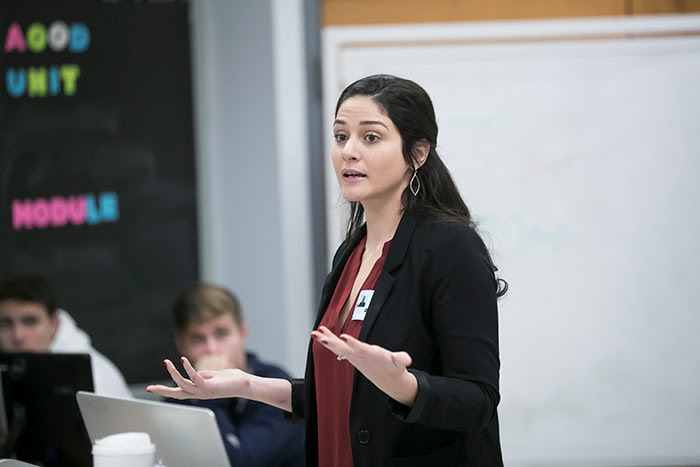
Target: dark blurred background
[(127, 130)]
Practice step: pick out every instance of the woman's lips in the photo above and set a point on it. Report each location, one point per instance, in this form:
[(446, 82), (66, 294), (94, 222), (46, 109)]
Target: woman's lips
[(352, 175)]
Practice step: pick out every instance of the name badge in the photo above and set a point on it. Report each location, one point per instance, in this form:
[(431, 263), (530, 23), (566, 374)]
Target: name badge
[(363, 300)]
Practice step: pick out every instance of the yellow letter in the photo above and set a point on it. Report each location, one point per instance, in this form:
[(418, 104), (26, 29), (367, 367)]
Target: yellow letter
[(36, 37), (36, 82), (70, 74)]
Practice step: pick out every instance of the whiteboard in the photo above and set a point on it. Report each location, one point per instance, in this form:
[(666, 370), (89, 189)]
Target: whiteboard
[(575, 143)]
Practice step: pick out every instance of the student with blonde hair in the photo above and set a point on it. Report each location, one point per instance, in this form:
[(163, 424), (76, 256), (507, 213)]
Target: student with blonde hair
[(211, 333)]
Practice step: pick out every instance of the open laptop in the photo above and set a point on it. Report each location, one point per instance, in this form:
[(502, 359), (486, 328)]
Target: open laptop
[(39, 417), (184, 436)]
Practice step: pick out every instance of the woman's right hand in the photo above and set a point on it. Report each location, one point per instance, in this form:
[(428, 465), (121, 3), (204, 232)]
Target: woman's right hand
[(204, 384)]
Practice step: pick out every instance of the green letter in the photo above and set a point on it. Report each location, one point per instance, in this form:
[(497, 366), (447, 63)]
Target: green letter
[(36, 37), (36, 82), (69, 75)]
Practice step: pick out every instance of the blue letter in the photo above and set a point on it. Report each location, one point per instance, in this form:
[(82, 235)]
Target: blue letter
[(92, 214), (109, 207), (79, 37), (16, 82), (54, 81)]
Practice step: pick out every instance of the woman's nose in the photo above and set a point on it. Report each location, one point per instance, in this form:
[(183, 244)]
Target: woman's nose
[(350, 150)]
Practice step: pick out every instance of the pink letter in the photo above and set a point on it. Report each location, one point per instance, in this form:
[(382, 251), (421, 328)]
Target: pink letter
[(76, 209), (22, 214), (59, 216), (40, 212), (15, 39)]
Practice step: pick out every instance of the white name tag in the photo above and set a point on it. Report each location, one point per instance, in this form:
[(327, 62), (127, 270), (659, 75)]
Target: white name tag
[(363, 300)]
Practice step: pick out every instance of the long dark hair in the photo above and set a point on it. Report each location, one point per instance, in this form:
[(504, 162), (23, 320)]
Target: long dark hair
[(410, 109)]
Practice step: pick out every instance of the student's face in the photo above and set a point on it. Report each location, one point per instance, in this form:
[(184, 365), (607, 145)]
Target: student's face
[(367, 156), (220, 340), (26, 326)]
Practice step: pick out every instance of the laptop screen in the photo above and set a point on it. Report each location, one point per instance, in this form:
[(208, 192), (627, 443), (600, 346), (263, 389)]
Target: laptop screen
[(40, 421), (183, 435)]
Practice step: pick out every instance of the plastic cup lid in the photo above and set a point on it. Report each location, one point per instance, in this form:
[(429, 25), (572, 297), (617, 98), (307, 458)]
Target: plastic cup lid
[(130, 443)]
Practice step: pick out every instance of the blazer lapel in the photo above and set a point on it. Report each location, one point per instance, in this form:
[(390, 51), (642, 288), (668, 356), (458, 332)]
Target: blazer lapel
[(394, 258), (334, 276)]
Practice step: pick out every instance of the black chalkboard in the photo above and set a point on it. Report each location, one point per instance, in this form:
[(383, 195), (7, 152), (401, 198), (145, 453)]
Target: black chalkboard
[(97, 171)]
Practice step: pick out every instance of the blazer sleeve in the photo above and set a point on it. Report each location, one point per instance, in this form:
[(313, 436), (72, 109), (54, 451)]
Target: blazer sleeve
[(297, 413), (461, 292)]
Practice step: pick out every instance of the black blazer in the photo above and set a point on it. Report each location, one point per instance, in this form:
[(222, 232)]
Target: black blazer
[(435, 299)]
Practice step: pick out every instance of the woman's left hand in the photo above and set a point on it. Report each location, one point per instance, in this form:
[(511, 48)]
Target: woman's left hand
[(386, 369)]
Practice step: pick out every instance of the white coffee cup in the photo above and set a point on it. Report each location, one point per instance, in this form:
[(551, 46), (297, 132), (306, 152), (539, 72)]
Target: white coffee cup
[(132, 449)]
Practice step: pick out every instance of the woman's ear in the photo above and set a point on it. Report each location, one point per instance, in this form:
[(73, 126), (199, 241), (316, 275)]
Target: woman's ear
[(421, 149)]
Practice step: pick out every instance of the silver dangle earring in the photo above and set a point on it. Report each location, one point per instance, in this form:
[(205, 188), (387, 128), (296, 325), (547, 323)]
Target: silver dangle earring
[(417, 181)]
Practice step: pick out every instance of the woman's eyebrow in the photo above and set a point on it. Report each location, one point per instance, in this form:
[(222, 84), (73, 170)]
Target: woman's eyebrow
[(364, 122), (373, 122)]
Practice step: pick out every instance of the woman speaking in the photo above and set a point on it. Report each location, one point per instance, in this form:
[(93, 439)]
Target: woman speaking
[(403, 364)]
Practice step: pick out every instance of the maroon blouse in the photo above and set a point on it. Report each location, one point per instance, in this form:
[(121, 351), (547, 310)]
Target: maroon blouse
[(333, 377)]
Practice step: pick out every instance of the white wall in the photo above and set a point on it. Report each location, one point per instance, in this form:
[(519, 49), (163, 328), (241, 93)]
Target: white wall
[(249, 83), (580, 158)]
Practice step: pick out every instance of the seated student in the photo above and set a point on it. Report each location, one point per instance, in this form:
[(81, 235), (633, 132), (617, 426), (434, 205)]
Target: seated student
[(31, 322), (209, 330)]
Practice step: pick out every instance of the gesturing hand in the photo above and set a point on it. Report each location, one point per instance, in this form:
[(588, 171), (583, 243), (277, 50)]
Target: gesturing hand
[(386, 369), (204, 384)]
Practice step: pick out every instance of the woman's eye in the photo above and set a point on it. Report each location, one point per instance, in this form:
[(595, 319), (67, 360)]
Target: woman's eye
[(372, 138), (340, 138)]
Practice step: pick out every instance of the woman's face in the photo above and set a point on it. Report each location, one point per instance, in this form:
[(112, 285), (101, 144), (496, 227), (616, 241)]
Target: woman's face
[(367, 156)]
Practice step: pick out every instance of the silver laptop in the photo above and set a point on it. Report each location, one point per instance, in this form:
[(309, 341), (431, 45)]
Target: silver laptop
[(184, 436)]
